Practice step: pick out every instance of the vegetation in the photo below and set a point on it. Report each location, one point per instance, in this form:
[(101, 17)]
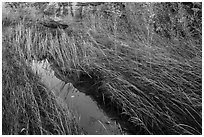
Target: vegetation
[(28, 106), (141, 60)]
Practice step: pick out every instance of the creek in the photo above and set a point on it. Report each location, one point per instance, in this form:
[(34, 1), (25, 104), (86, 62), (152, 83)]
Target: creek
[(91, 118)]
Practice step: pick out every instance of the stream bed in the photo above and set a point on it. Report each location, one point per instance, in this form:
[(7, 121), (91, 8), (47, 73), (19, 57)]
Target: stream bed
[(91, 118)]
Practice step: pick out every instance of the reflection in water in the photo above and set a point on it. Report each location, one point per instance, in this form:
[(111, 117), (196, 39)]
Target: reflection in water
[(91, 118)]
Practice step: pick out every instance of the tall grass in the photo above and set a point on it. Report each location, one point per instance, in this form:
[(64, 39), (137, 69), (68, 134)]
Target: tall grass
[(154, 84), (28, 107)]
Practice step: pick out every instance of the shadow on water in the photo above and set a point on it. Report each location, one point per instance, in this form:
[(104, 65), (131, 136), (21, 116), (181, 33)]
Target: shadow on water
[(93, 118)]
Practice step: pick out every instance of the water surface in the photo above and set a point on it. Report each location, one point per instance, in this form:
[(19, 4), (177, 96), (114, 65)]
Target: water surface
[(92, 119)]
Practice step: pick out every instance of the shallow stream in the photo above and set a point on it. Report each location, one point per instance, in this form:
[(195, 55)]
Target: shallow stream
[(91, 118)]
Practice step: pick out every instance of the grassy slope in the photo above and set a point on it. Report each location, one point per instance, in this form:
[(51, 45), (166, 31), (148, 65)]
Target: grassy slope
[(155, 83)]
